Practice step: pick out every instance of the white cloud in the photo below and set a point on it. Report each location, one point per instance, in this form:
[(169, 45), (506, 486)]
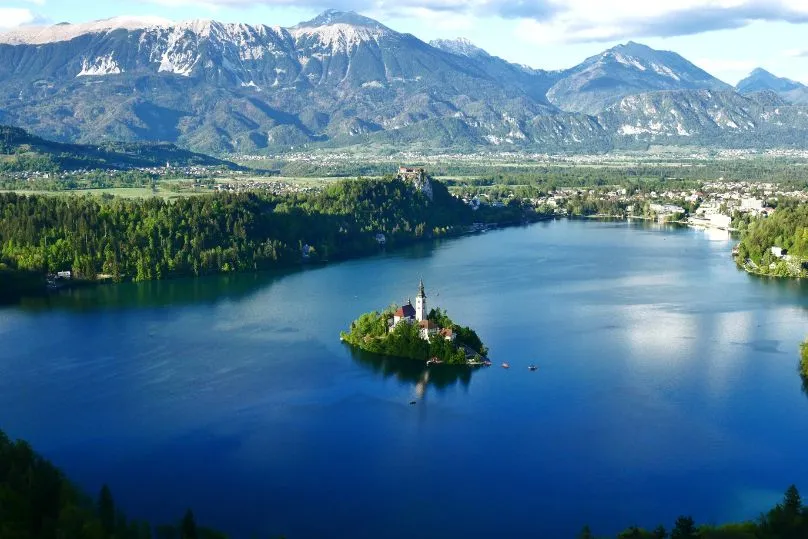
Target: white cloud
[(588, 21), (571, 20), (11, 17)]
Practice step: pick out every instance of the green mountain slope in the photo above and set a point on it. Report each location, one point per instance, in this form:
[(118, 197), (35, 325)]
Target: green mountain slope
[(21, 151)]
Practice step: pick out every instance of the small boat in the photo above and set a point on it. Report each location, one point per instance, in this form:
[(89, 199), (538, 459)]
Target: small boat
[(532, 367), (412, 402), (434, 361), (487, 363), (506, 366)]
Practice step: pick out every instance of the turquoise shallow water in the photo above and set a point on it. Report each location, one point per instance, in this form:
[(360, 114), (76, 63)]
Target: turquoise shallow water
[(667, 384)]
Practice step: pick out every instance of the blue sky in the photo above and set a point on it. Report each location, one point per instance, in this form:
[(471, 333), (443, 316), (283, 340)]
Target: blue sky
[(726, 37)]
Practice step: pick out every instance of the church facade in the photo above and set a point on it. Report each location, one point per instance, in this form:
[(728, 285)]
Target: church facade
[(418, 314)]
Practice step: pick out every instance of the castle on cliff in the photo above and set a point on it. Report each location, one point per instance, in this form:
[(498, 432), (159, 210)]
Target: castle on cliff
[(419, 179)]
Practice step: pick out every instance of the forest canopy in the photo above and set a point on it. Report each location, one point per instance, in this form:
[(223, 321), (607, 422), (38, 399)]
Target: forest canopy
[(224, 232)]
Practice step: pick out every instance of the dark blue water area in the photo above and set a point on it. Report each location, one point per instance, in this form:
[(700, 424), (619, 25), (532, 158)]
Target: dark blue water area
[(667, 385)]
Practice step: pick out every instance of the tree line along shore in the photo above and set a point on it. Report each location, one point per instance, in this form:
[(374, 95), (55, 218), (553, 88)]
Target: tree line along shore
[(144, 239)]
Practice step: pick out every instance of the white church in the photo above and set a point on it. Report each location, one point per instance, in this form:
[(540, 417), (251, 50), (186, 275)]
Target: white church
[(418, 315)]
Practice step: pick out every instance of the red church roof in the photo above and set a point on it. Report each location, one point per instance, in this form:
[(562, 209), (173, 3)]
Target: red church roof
[(407, 311)]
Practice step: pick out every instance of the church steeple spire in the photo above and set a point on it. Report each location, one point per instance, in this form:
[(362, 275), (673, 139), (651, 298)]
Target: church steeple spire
[(420, 303)]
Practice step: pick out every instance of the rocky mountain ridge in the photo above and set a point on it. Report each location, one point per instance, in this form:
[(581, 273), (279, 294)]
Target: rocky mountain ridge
[(343, 79)]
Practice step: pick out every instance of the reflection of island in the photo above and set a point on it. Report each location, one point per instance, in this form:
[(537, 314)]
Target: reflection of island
[(410, 332), (406, 370)]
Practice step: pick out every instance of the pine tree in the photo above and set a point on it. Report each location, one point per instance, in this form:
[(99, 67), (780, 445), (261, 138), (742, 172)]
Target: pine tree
[(586, 533), (792, 502), (188, 528), (685, 528), (106, 511)]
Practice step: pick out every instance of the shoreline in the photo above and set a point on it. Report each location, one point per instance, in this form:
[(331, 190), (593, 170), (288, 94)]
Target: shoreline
[(757, 273), (75, 283), (466, 230)]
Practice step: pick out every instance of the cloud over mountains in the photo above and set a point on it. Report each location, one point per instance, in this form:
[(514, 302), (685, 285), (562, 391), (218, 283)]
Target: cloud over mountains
[(572, 20)]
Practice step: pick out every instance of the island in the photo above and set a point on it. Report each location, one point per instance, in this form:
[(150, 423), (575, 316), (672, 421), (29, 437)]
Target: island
[(409, 331)]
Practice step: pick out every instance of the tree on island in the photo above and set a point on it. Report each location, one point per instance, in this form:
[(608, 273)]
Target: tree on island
[(372, 333), (803, 365), (465, 335), (685, 528)]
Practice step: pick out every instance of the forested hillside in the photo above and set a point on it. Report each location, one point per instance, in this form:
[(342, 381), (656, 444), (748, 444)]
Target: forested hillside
[(38, 502), (786, 228), (21, 151), (154, 239)]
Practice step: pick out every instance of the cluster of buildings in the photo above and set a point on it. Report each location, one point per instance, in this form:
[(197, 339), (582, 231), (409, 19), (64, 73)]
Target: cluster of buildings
[(276, 187), (417, 314), (713, 204), (339, 158), (190, 171)]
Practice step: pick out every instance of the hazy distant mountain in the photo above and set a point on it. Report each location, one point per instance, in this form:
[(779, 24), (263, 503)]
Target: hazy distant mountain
[(533, 82), (625, 70), (760, 79), (343, 79)]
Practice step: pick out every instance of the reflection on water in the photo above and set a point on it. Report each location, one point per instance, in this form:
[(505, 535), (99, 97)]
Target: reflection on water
[(411, 371), (171, 292), (667, 385)]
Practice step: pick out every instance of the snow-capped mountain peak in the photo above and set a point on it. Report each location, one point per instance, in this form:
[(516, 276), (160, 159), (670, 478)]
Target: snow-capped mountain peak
[(460, 46), (333, 17), (339, 30), (38, 35)]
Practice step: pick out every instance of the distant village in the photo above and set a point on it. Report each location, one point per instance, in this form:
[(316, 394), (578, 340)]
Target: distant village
[(712, 205)]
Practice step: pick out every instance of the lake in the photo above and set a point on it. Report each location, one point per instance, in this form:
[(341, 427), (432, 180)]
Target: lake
[(667, 385)]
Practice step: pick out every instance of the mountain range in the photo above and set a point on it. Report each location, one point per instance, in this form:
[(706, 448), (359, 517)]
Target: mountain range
[(342, 79)]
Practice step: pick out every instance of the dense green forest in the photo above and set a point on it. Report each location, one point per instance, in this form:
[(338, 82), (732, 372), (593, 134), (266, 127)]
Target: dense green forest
[(786, 228), (154, 239), (37, 501), (370, 333)]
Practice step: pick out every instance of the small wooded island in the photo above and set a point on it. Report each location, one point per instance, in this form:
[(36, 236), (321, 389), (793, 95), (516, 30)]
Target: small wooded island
[(409, 331)]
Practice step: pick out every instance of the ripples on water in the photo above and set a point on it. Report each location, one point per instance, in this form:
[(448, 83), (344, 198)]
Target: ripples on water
[(666, 385)]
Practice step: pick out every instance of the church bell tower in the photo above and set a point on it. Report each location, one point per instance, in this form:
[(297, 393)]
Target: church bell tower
[(420, 303)]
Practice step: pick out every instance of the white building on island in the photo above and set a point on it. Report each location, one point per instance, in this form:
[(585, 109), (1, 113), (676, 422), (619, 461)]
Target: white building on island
[(420, 303), (420, 315)]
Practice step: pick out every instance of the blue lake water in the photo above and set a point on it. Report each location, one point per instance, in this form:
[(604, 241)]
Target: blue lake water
[(667, 384)]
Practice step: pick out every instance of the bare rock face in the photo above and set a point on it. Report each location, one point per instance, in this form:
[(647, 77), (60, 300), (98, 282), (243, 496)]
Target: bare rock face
[(419, 179)]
